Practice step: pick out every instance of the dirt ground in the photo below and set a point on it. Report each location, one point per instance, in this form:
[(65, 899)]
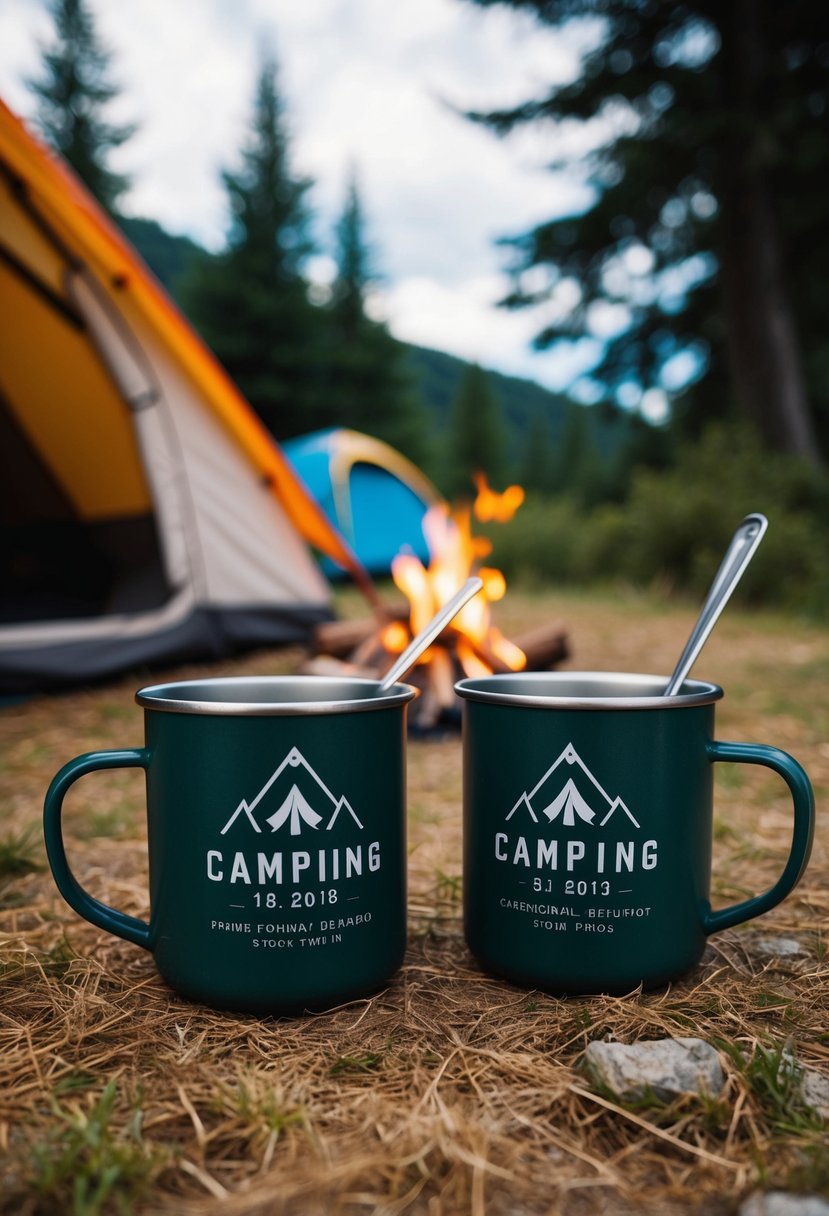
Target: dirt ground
[(451, 1092)]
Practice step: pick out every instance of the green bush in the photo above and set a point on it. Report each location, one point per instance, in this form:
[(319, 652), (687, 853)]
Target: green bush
[(674, 527)]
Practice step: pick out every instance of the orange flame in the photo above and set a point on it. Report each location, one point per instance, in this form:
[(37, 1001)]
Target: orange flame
[(498, 508), (455, 554), (395, 637)]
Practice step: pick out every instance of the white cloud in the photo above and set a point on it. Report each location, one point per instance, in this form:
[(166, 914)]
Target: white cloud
[(23, 27), (423, 312)]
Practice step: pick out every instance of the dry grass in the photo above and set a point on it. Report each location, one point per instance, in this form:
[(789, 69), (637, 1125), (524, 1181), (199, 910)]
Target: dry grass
[(450, 1092)]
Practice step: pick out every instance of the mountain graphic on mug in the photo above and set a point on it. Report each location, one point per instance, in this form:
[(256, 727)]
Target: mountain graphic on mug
[(294, 799), (569, 794)]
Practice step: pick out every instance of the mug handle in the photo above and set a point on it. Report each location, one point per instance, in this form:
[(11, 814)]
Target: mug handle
[(100, 914), (803, 800)]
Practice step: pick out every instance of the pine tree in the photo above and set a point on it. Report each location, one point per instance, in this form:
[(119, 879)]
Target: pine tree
[(575, 455), (476, 438), (537, 464), (72, 92), (707, 224), (355, 270), (251, 302), (370, 387)]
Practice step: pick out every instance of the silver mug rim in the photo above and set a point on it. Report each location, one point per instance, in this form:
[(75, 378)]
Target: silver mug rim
[(273, 696), (614, 690)]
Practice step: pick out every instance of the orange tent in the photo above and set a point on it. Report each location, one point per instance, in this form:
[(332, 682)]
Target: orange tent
[(147, 513)]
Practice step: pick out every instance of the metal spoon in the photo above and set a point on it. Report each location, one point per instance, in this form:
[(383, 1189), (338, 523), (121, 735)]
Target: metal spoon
[(739, 553), (424, 639)]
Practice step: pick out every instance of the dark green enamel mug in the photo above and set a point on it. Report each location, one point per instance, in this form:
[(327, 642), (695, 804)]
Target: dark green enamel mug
[(276, 837), (588, 828)]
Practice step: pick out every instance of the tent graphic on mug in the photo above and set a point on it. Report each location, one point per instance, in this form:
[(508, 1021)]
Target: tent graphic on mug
[(580, 799), (303, 801)]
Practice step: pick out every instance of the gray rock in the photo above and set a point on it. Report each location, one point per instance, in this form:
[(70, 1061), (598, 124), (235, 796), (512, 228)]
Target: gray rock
[(664, 1067), (781, 1203), (773, 946), (814, 1088)]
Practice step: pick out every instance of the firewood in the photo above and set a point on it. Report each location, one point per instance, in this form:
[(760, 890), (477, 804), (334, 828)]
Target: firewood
[(372, 653), (326, 665), (544, 646), (442, 677), (357, 643), (341, 638)]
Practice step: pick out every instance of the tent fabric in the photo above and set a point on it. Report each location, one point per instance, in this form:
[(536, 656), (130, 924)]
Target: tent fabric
[(374, 495), (147, 515)]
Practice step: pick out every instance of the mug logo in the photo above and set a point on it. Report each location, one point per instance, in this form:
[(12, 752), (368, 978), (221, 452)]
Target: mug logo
[(567, 802), (297, 804), (304, 801), (569, 796)]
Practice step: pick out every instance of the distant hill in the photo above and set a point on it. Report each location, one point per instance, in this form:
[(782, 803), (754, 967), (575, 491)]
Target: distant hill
[(169, 257), (438, 375)]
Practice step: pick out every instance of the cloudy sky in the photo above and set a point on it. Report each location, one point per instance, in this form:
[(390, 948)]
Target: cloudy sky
[(370, 83)]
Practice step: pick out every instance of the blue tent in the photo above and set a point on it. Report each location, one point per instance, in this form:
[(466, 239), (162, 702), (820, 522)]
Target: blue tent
[(374, 495)]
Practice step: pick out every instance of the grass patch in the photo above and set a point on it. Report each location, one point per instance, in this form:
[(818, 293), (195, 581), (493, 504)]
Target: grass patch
[(91, 1162), (115, 822), (21, 852), (773, 1077), (448, 888), (261, 1105), (369, 1061)]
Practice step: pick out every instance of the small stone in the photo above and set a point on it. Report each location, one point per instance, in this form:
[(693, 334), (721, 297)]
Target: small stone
[(664, 1067), (814, 1089), (769, 946), (781, 1203)]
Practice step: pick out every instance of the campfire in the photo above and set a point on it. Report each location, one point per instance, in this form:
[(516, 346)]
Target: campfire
[(472, 645)]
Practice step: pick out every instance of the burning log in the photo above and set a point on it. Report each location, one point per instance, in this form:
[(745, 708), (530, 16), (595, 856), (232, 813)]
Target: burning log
[(545, 647), (341, 638)]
